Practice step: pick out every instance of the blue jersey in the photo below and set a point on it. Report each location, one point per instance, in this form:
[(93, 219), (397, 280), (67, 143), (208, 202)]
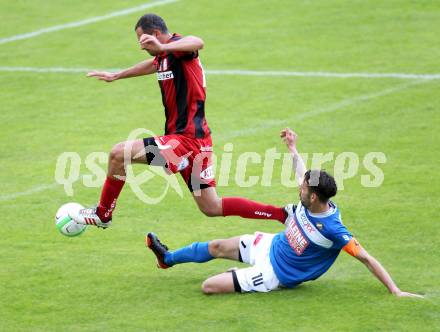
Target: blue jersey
[(309, 245)]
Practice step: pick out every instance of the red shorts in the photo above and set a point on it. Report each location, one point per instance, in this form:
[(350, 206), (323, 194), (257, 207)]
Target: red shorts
[(191, 157)]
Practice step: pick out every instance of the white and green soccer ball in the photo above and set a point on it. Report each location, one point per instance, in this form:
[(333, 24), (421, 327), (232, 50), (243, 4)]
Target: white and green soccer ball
[(66, 225)]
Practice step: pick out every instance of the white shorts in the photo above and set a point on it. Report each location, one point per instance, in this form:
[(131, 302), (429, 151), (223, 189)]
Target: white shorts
[(254, 250)]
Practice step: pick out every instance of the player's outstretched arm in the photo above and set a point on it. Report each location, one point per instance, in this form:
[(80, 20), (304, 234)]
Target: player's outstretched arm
[(144, 68), (357, 251), (290, 138)]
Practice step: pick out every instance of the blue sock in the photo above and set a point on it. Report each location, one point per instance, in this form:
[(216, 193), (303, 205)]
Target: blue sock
[(196, 252)]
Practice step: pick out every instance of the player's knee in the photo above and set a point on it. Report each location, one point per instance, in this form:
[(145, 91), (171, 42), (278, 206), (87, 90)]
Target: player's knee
[(214, 209), (209, 211), (208, 287), (215, 248), (218, 248), (117, 153)]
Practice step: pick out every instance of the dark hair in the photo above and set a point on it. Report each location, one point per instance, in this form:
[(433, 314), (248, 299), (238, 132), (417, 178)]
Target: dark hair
[(321, 183), (150, 22)]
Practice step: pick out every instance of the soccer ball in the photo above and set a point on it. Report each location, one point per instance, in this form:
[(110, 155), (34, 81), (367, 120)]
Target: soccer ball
[(65, 224)]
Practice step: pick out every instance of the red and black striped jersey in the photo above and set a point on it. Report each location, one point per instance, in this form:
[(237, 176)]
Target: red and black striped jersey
[(183, 87)]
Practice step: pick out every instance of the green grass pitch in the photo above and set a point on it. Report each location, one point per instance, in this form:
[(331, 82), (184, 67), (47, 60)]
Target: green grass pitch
[(106, 280)]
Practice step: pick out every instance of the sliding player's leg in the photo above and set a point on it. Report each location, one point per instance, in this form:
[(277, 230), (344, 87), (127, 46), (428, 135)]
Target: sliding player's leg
[(212, 205), (196, 252), (225, 282), (258, 278), (254, 249), (137, 151)]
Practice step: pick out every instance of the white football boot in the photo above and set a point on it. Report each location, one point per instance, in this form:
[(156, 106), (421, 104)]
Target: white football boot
[(88, 216)]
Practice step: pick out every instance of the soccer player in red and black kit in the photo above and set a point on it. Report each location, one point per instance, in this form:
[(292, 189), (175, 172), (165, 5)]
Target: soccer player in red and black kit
[(186, 146)]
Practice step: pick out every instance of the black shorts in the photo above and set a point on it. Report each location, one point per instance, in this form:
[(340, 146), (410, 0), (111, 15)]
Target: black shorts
[(152, 153)]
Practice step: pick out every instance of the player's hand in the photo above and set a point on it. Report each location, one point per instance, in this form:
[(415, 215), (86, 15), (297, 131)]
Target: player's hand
[(399, 293), (103, 75), (151, 44), (289, 137)]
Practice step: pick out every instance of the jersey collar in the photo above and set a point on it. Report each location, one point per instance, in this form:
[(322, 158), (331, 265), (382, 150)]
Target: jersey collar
[(325, 214)]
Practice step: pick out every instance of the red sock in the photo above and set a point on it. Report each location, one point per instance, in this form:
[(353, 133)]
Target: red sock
[(109, 194), (245, 208)]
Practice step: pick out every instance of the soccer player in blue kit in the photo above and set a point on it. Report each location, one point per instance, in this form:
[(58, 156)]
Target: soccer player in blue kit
[(305, 250)]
